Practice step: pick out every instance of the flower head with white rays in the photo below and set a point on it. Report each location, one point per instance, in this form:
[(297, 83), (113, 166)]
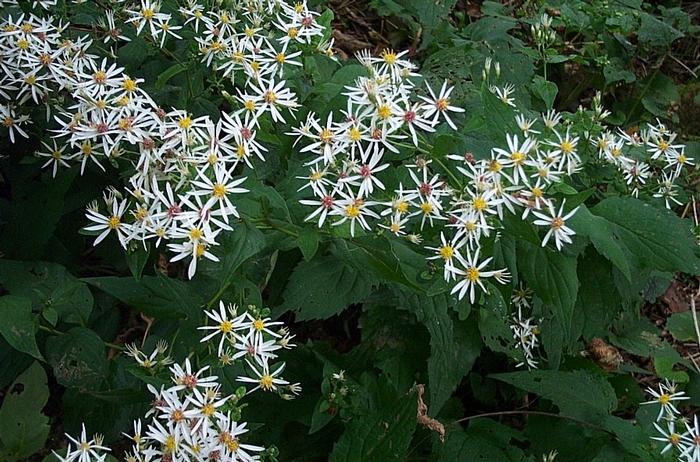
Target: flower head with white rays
[(220, 189), (517, 155), (556, 221), (364, 175), (106, 224), (447, 252), (324, 202), (470, 273), (227, 321), (55, 156), (671, 439), (263, 378), (184, 378), (353, 209), (439, 105), (85, 450), (665, 397)]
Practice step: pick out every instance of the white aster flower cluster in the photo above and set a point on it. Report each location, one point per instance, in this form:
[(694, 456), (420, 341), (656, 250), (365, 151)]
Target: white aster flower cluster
[(650, 154), (349, 151), (192, 420), (184, 180), (189, 421), (684, 443), (256, 339), (382, 111)]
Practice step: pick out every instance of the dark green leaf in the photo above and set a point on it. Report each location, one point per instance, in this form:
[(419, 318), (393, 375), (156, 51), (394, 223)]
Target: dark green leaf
[(23, 427), (19, 324)]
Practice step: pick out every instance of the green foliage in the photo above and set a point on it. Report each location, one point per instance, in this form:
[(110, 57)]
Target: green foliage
[(23, 426)]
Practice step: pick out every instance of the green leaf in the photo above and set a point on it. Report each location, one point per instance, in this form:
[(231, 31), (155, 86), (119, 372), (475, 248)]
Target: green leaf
[(681, 326), (600, 232), (552, 275), (652, 237), (154, 295), (660, 93), (323, 287), (23, 427), (383, 434), (453, 346), (136, 259), (656, 33), (169, 73), (78, 358), (235, 248), (545, 90), (308, 242), (27, 235), (484, 441), (19, 324), (48, 285), (579, 394)]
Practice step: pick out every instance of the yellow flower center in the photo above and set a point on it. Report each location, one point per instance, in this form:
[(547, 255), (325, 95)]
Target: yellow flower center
[(442, 104), (100, 77), (326, 135), (292, 33), (479, 203), (384, 112), (566, 147), (352, 211), (249, 105), (557, 223), (129, 85), (185, 122), (355, 134), (219, 190), (446, 252), (389, 56), (472, 274), (170, 444), (266, 382), (517, 157), (665, 398), (196, 234), (148, 14), (226, 326), (426, 207), (537, 192), (259, 324), (402, 207), (208, 410)]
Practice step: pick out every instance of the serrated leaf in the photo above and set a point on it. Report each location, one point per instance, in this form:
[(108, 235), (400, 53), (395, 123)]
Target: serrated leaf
[(552, 276), (453, 346), (19, 324), (381, 435), (323, 287), (579, 394), (656, 238)]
